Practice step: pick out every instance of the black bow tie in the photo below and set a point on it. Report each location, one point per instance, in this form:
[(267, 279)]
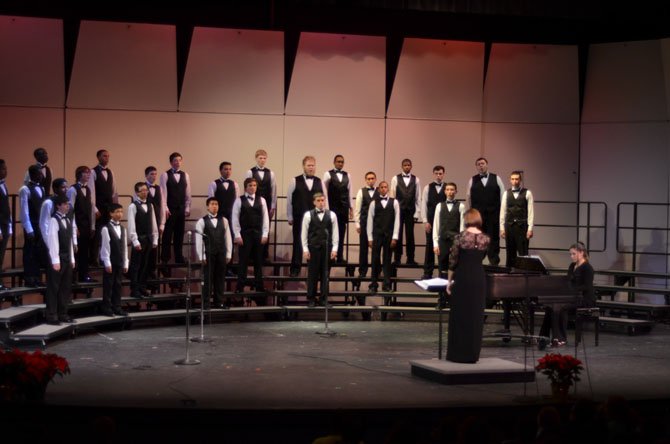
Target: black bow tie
[(371, 189), (338, 171), (384, 199), (102, 168), (116, 224), (319, 211), (260, 169), (211, 217), (483, 176), (516, 191), (406, 175), (176, 172), (450, 201), (250, 197), (309, 177)]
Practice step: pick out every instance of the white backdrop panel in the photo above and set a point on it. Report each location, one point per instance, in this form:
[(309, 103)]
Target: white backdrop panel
[(532, 83), (23, 130), (438, 79), (236, 71), (124, 66), (338, 75), (31, 56), (624, 83)]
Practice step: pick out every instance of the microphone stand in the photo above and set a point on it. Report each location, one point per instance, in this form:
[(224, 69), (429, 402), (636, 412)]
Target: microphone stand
[(187, 360), (325, 283), (202, 338)]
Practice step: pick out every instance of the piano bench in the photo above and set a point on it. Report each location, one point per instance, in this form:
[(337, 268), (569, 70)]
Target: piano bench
[(586, 314)]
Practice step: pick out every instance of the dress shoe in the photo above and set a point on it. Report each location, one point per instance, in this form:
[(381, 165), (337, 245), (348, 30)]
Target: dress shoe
[(294, 273), (412, 262), (145, 292), (120, 312), (387, 288), (137, 296), (66, 319), (311, 303), (107, 312), (88, 280), (180, 260), (3, 288), (367, 316), (35, 284), (53, 322), (426, 276), (372, 289), (239, 289)]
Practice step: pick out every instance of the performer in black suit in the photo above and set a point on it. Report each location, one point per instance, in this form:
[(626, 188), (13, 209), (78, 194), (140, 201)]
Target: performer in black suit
[(41, 158), (80, 197), (336, 181), (102, 184), (448, 222), (432, 195), (318, 233), (383, 227), (31, 197), (484, 194), (363, 198), (114, 257), (267, 188), (516, 218), (176, 193), (300, 199), (214, 250), (406, 188), (155, 198), (143, 235), (250, 229), (5, 216)]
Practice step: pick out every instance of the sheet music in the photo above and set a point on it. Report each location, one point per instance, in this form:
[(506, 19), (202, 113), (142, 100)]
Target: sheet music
[(432, 283)]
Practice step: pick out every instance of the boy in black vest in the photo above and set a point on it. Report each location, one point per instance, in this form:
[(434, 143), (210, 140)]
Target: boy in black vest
[(5, 216), (447, 223), (363, 198), (267, 187), (319, 232), (383, 227), (406, 188), (154, 197), (336, 182), (250, 229), (59, 187), (41, 157), (485, 194), (61, 244), (143, 235), (516, 218), (214, 247), (80, 198), (433, 194), (299, 200), (225, 190), (176, 193), (31, 197), (102, 184), (114, 257)]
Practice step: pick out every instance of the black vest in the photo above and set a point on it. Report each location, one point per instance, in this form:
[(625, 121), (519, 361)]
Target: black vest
[(316, 233), (517, 209), (303, 198), (365, 206), (143, 226), (226, 198), (264, 184), (216, 235), (406, 194), (176, 192), (104, 189), (4, 208), (338, 192), (433, 199), (64, 239), (82, 208), (156, 202), (251, 217), (450, 221), (116, 244), (35, 206), (382, 224), (485, 198)]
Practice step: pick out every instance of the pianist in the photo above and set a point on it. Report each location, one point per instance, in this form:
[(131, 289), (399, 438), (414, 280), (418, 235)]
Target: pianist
[(580, 275)]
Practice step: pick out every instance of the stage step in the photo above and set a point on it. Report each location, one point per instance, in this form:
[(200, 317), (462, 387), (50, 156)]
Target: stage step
[(631, 326), (650, 311)]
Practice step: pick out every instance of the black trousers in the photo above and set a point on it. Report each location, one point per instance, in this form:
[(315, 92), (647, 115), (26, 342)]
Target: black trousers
[(443, 259), (342, 222), (251, 249), (83, 255), (174, 233), (555, 322), (318, 260), (296, 256), (491, 226), (3, 245), (111, 288), (214, 277), (59, 291), (139, 266), (381, 259), (406, 223), (33, 256), (94, 247), (429, 257), (516, 242), (363, 249)]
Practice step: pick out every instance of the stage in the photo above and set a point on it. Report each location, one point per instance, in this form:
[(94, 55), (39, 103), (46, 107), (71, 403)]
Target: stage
[(283, 372)]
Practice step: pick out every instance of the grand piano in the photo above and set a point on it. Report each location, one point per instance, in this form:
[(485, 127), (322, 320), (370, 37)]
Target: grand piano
[(523, 289)]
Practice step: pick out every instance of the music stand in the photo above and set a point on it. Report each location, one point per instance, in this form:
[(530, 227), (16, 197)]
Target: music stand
[(530, 263), (438, 285)]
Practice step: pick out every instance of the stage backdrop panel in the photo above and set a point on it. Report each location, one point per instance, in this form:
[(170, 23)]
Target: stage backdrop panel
[(234, 71), (665, 60), (338, 75), (438, 79), (548, 156), (532, 83), (23, 130), (625, 83), (31, 56), (124, 66)]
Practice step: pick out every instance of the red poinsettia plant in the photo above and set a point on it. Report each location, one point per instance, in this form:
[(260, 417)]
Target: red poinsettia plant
[(561, 369), (26, 375)]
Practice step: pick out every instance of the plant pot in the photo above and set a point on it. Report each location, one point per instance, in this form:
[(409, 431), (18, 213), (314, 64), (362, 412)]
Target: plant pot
[(560, 391), (34, 392)]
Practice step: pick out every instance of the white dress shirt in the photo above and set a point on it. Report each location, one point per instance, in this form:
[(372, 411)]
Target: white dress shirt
[(334, 232), (499, 181), (53, 243), (237, 229), (273, 183), (132, 228), (503, 208), (211, 190), (327, 177), (200, 229), (3, 190), (181, 175), (24, 196), (424, 201), (417, 194), (91, 187), (105, 249), (359, 205), (436, 219), (396, 218), (289, 194)]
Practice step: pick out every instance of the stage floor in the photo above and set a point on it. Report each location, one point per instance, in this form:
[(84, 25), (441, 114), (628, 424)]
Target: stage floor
[(286, 366)]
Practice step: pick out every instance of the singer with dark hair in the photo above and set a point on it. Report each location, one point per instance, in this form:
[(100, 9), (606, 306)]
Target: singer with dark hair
[(214, 248), (41, 158), (383, 227), (337, 182), (31, 197), (5, 216), (114, 258), (143, 235), (516, 218), (319, 232), (81, 200), (102, 183), (176, 194), (432, 196)]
